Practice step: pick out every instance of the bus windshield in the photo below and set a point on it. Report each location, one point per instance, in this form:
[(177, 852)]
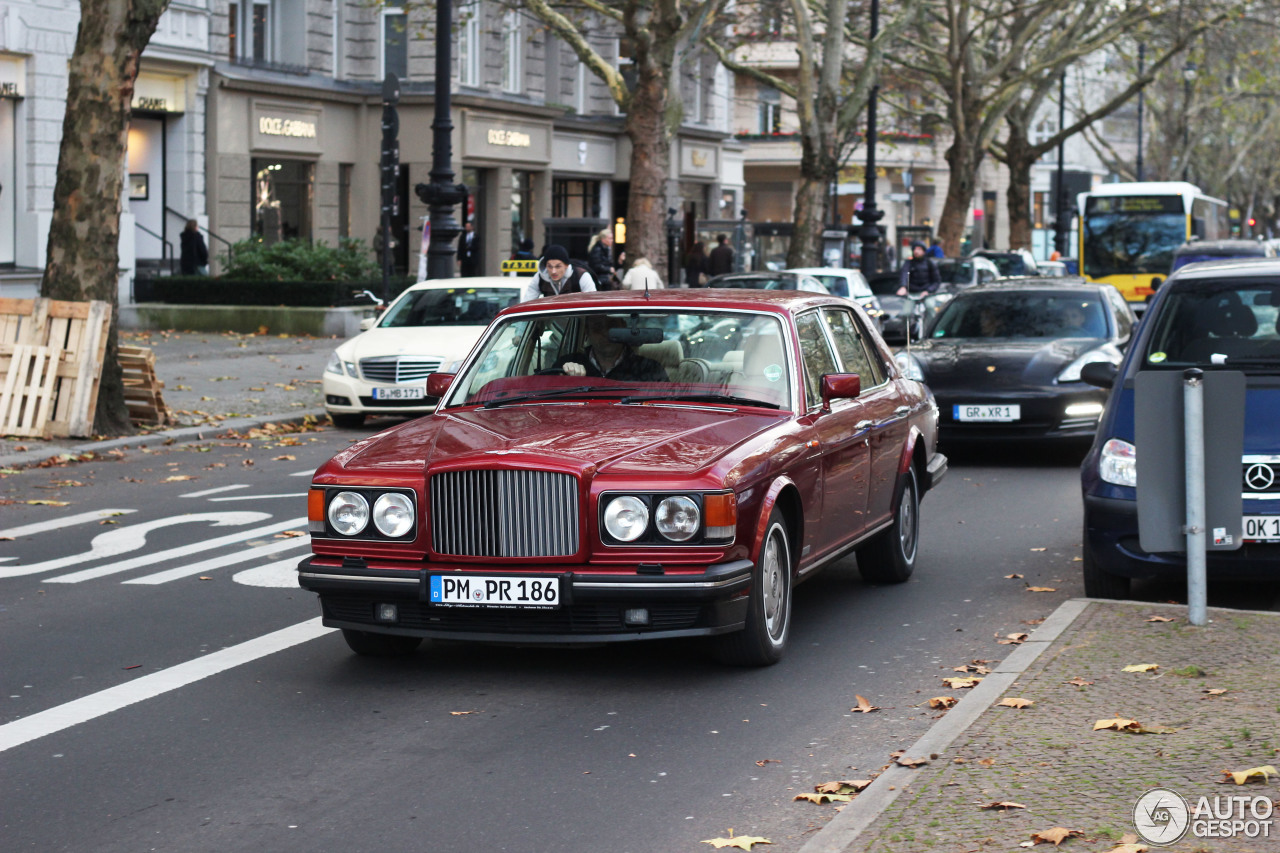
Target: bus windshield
[(1129, 235)]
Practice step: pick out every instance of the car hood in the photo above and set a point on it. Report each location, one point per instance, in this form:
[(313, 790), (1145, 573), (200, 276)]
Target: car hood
[(630, 440), (998, 361), (447, 343), (1262, 402)]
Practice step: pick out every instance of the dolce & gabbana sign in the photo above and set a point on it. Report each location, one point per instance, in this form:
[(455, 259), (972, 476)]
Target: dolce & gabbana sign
[(285, 128)]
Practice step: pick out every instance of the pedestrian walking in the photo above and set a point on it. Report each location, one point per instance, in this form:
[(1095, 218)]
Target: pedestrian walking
[(721, 259), (193, 258), (600, 257), (919, 273), (558, 275), (935, 250), (524, 252), (469, 251), (695, 266), (642, 276)]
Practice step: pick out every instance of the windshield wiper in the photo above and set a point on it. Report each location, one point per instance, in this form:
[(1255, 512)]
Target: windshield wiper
[(703, 398), (592, 390)]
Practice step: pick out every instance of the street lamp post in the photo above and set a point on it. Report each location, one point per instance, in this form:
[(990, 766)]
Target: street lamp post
[(870, 232), (1061, 219), (442, 194), (1188, 77), (1142, 54)]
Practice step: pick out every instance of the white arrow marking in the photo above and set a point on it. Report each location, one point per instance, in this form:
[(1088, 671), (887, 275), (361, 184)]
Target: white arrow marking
[(103, 702), (122, 540), (294, 495), (59, 523), (279, 575), (214, 491), (220, 562)]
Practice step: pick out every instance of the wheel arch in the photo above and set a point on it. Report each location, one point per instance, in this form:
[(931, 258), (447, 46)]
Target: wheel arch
[(783, 494)]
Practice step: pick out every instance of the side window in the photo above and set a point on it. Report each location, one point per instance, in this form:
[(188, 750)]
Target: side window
[(1124, 319), (855, 351), (816, 354)]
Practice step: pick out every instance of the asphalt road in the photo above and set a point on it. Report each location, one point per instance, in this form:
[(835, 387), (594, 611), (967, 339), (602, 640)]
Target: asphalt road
[(167, 692)]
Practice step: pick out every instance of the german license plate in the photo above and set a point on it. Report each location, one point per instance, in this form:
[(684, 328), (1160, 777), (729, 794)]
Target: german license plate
[(495, 591), (1262, 528), (986, 412), (406, 393)]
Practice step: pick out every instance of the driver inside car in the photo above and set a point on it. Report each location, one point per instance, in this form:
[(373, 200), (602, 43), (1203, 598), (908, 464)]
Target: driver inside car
[(608, 358)]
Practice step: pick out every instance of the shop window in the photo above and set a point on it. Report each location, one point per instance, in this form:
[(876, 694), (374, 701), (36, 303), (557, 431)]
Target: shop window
[(255, 34), (521, 207), (469, 46), (283, 193), (345, 171), (395, 43), (1038, 208), (512, 53), (575, 199), (770, 110)]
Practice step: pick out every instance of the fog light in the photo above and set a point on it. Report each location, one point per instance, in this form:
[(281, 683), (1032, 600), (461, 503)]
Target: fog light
[(1084, 410), (635, 616), (387, 613)]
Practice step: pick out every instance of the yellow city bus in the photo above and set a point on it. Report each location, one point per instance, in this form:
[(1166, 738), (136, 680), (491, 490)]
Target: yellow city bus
[(1128, 231)]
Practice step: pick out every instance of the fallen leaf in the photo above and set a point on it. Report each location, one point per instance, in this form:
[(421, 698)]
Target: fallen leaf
[(842, 786), (1042, 589), (1141, 667), (1039, 549), (819, 799), (1012, 639), (904, 761), (942, 701), (961, 683), (1214, 691), (864, 707), (48, 503), (1124, 724), (1129, 847), (1014, 576), (987, 762), (762, 762), (1004, 806), (289, 534), (205, 578), (1014, 702), (1079, 682), (286, 458), (462, 713), (1261, 773), (1055, 836), (742, 842), (178, 478), (1158, 619)]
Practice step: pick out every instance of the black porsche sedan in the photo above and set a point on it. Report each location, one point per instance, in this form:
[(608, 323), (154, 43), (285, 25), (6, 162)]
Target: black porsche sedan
[(1004, 360)]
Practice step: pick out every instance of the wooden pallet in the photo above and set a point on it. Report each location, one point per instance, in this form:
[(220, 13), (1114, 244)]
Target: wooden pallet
[(141, 387), (77, 331), (27, 393)]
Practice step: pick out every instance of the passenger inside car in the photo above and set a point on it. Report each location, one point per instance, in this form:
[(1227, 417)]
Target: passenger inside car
[(612, 359)]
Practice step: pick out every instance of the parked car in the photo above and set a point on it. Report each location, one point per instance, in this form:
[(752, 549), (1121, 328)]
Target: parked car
[(737, 442), (772, 280), (1214, 316), (383, 370), (1004, 360), (1012, 263), (1052, 269), (1218, 250), (966, 272), (848, 283)]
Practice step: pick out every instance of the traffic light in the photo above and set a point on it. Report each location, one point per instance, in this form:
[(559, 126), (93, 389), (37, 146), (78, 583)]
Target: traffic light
[(1252, 221)]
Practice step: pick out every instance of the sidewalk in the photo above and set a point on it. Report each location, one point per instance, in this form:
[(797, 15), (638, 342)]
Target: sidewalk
[(1217, 689), (223, 380)]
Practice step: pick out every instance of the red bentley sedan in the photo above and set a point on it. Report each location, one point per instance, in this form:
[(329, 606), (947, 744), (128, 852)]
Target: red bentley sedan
[(626, 466)]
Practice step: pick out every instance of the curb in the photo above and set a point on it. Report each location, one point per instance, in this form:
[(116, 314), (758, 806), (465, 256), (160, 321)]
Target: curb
[(182, 435), (843, 830)]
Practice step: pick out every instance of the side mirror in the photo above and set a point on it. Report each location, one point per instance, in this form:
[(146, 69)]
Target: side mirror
[(1100, 374), (839, 386), (367, 323), (438, 384)]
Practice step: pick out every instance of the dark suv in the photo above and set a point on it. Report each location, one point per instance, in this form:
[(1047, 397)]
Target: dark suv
[(1217, 315)]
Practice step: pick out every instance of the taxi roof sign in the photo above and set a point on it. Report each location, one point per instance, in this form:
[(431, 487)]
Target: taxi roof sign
[(529, 266)]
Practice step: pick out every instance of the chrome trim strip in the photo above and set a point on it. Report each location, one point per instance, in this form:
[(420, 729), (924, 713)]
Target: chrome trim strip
[(1262, 457), (646, 585), (371, 578), (844, 551), (1261, 496)]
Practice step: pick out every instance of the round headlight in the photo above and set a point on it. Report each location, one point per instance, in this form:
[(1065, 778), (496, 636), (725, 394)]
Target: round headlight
[(626, 518), (348, 513), (677, 518), (393, 514)]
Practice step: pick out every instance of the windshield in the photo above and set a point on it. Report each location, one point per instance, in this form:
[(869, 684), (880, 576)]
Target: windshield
[(837, 284), (1128, 235), (1223, 324), (643, 354), (1009, 265), (1223, 254), (449, 306), (956, 272), (1022, 315)]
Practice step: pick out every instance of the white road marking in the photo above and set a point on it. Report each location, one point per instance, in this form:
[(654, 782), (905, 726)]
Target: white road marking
[(103, 702), (306, 473), (122, 540), (279, 575), (172, 553), (294, 495), (214, 491), (245, 556), (59, 523)]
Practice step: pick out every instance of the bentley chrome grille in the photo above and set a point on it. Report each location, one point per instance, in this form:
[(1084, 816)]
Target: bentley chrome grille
[(499, 513), (394, 368)]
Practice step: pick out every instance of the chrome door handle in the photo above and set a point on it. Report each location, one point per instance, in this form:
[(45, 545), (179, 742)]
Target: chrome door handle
[(861, 425), (902, 410)]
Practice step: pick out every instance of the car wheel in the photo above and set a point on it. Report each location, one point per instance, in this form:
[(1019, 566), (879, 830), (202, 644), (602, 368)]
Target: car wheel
[(1098, 583), (764, 638), (379, 645), (354, 421), (891, 556)]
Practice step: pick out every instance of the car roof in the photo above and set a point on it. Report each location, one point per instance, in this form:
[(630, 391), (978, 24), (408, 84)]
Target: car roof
[(821, 271), (1195, 247), (1250, 267), (757, 274), (472, 281), (1035, 283), (780, 301)]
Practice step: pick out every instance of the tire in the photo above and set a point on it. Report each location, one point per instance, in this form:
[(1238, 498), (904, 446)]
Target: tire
[(764, 639), (1098, 583), (379, 645), (354, 421), (891, 556)]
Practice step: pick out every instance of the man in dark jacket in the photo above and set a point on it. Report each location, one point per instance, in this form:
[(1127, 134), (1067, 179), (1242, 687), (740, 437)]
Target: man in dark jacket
[(721, 259), (558, 275), (919, 273)]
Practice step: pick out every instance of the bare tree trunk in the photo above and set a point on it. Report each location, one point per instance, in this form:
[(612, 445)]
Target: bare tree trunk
[(649, 125), (818, 170), (84, 234), (1019, 158), (963, 160)]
